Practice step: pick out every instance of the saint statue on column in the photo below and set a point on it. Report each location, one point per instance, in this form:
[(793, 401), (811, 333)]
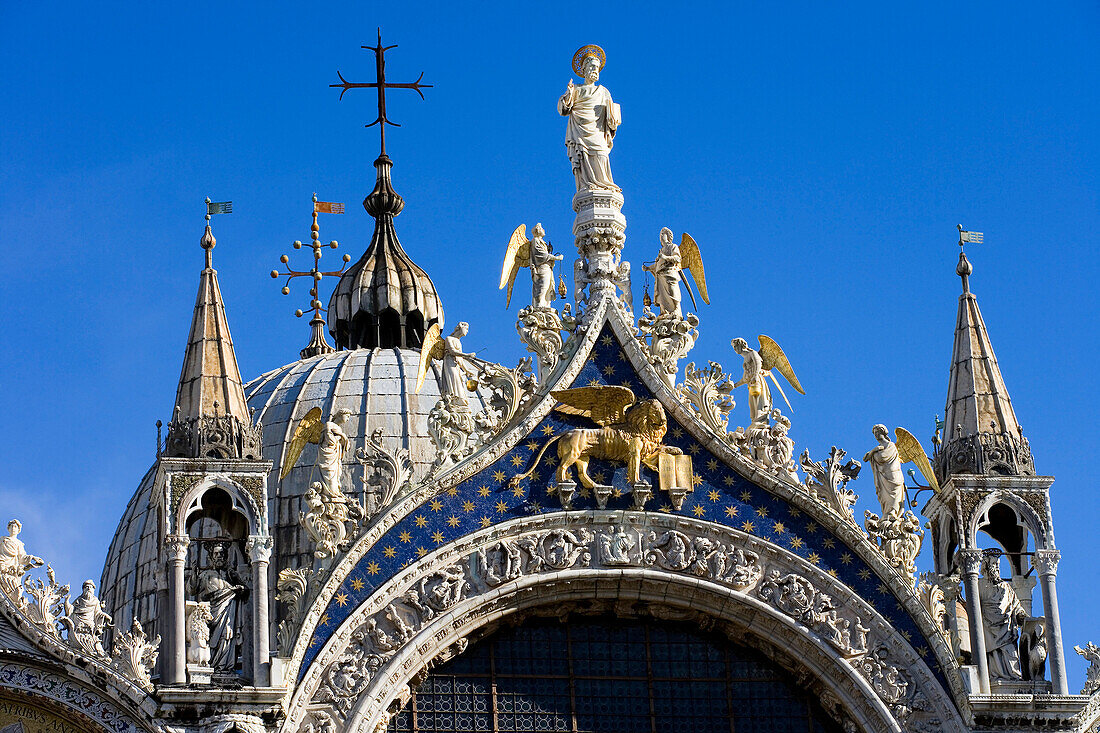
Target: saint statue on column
[(593, 121)]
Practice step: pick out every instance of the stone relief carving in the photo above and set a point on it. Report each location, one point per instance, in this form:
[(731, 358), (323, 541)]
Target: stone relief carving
[(47, 604), (197, 624), (827, 481), (670, 338), (898, 536), (134, 655), (892, 684), (708, 391), (932, 598), (718, 557), (1091, 653), (797, 597), (540, 331), (291, 588), (386, 474), (767, 444), (63, 690)]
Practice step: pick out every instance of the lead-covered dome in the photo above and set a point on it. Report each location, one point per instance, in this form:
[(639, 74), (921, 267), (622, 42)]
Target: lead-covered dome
[(377, 386)]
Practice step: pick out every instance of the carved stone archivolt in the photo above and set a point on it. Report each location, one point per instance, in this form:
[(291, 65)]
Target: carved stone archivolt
[(377, 647), (83, 702)]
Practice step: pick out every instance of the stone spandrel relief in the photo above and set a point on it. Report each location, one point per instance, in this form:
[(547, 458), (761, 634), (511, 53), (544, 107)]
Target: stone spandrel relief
[(717, 557)]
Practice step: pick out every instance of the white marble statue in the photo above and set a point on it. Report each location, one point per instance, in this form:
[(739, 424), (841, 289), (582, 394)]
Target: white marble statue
[(221, 587), (85, 621), (885, 463), (1002, 617), (593, 120), (330, 456), (14, 561), (199, 618), (667, 276), (456, 370), (542, 260)]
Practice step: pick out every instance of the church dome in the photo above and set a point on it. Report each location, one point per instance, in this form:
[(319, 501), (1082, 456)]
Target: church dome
[(378, 387)]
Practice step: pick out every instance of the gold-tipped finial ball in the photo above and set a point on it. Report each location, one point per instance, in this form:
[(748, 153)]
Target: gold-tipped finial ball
[(274, 274), (298, 313), (316, 276), (316, 304), (284, 259), (297, 244), (334, 244), (286, 290), (347, 258)]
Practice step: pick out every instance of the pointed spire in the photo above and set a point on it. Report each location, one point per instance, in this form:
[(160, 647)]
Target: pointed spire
[(211, 417), (982, 435)]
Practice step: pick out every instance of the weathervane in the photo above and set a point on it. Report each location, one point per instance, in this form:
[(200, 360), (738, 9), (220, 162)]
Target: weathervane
[(381, 85), (318, 344), (965, 268)]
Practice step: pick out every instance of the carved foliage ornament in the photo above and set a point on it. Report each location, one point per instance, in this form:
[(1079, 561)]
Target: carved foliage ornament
[(721, 559)]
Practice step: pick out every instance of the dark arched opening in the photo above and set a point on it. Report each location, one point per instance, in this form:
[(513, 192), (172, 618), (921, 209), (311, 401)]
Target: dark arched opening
[(610, 675)]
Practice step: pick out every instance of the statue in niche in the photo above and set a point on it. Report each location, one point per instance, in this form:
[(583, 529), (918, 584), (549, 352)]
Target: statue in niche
[(1003, 616), (14, 561), (593, 121), (85, 621), (221, 587)]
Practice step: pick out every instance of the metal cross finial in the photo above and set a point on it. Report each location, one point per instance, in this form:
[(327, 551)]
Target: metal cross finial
[(317, 344), (381, 85)]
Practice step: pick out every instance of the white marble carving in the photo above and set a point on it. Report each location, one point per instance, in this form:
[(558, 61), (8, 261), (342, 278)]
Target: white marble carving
[(898, 536), (540, 330), (15, 562), (797, 597), (708, 391), (47, 602), (198, 623), (225, 591), (386, 474), (593, 120), (1091, 653), (85, 621), (134, 655), (1002, 618), (827, 481), (885, 463), (291, 585)]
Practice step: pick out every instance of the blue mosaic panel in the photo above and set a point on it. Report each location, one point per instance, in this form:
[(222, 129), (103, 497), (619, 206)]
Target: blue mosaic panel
[(720, 495), (660, 677)]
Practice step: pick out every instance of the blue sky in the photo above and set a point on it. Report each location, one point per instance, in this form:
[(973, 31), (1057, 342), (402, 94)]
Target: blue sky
[(821, 158)]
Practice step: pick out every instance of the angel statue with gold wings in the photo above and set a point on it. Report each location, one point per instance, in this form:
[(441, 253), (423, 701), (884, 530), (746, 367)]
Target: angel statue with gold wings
[(457, 376), (886, 459), (758, 367), (536, 254), (668, 271)]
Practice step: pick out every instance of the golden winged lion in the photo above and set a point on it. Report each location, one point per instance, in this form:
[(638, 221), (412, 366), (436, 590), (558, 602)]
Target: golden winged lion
[(629, 431)]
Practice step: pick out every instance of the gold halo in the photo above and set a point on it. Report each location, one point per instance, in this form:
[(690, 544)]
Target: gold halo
[(589, 50)]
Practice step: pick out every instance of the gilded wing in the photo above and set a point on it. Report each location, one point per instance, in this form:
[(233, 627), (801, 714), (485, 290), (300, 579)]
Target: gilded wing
[(774, 358), (910, 449), (517, 256), (308, 430), (604, 405), (430, 350), (692, 261)]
